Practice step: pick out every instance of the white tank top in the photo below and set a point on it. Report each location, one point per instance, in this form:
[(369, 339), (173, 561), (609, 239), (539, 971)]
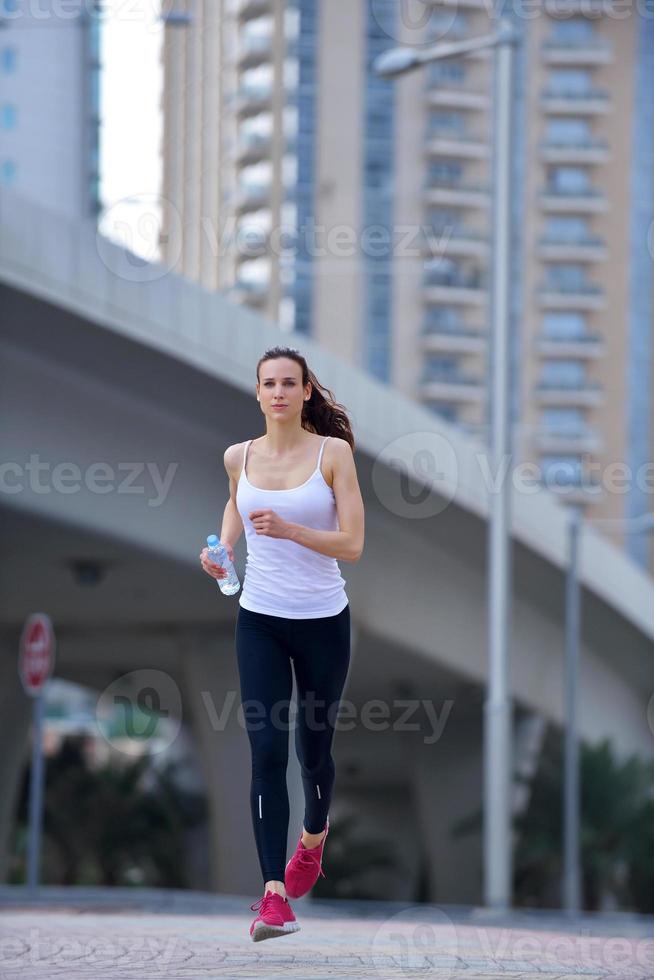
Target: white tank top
[(282, 577)]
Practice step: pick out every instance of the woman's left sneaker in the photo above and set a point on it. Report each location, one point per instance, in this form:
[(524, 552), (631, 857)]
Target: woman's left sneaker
[(275, 918), (304, 868)]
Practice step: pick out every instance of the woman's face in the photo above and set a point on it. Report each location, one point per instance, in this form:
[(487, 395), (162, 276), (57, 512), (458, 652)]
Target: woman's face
[(280, 383)]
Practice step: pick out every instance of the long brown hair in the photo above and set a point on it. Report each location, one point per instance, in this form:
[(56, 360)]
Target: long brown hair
[(321, 414)]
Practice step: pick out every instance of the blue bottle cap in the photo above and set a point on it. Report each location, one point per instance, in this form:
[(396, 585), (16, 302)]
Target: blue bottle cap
[(212, 540)]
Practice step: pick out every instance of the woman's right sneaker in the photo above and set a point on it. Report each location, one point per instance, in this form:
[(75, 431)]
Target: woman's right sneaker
[(275, 918)]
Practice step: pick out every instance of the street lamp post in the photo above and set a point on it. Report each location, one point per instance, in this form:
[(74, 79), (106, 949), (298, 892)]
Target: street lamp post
[(497, 709), (571, 883)]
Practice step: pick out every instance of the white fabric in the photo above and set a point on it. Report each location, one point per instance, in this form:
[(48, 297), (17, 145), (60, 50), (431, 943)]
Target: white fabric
[(282, 577)]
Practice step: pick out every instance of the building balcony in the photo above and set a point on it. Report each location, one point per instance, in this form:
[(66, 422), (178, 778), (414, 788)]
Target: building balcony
[(586, 151), (589, 248), (589, 201), (561, 296), (255, 51), (454, 293), (594, 102), (465, 147), (456, 242), (596, 51), (589, 394), (253, 99), (457, 98), (464, 340), (464, 195), (252, 197), (454, 389), (252, 148), (251, 244), (586, 346), (570, 441), (251, 9)]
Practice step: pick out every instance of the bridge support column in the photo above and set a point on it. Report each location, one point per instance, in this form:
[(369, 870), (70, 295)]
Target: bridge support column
[(15, 718), (447, 784)]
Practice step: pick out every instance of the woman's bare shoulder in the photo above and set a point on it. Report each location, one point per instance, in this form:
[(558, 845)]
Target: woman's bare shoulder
[(233, 456)]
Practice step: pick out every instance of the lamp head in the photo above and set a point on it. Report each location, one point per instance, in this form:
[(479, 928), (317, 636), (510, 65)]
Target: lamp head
[(395, 61)]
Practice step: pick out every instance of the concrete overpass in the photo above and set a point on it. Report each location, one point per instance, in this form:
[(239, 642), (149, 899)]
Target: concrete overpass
[(138, 380)]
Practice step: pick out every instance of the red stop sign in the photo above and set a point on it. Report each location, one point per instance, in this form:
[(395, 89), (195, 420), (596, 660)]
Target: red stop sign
[(37, 650)]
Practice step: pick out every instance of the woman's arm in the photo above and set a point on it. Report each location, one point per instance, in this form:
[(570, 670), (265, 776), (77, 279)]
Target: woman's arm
[(232, 526), (347, 543)]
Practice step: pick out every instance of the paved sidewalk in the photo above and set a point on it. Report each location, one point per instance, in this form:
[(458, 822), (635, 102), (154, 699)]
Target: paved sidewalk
[(80, 933)]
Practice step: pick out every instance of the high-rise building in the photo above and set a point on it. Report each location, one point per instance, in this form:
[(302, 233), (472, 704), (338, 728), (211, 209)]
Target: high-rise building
[(357, 210), (50, 102)]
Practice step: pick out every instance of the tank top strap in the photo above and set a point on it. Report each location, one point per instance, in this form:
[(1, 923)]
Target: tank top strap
[(245, 455), (320, 453)]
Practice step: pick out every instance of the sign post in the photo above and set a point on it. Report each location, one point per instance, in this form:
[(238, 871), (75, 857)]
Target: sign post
[(35, 664)]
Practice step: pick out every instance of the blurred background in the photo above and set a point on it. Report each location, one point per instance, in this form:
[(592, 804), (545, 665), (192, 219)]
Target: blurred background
[(183, 184)]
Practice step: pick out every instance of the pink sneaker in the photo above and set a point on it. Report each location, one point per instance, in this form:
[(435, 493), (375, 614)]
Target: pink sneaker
[(305, 867), (275, 918)]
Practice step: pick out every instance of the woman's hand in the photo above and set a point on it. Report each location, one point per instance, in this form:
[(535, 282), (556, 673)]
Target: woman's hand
[(210, 567), (269, 523)]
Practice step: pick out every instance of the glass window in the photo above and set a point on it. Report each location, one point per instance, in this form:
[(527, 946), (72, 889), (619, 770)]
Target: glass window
[(568, 374), (561, 470), (567, 131), (438, 366), (445, 220), (569, 81), (8, 59), (562, 419), (445, 172), (573, 30), (442, 318), (564, 325), (570, 180), (447, 71), (260, 27), (443, 26), (444, 121), (566, 228), (566, 275)]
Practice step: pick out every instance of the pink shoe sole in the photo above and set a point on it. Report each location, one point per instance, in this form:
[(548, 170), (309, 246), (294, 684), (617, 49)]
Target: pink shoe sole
[(263, 931)]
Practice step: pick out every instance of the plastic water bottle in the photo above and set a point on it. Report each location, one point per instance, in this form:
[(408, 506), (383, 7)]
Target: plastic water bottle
[(218, 553)]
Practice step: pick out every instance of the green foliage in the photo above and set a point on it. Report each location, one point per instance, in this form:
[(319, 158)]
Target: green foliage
[(351, 858), (616, 835), (112, 825)]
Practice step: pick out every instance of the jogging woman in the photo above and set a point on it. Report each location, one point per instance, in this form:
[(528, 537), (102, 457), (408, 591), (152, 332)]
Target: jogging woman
[(295, 492)]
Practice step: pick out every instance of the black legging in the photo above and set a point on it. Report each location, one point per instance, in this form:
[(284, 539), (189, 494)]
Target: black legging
[(320, 651)]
